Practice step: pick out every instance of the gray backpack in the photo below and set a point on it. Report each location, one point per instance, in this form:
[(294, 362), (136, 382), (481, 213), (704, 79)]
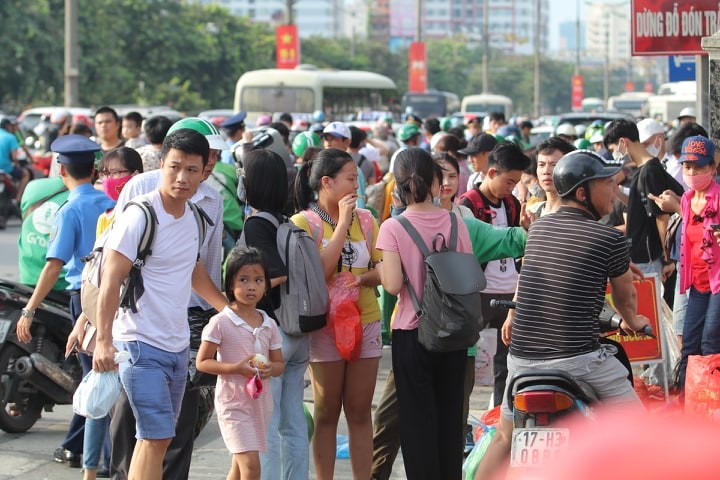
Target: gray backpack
[(449, 314), (304, 296)]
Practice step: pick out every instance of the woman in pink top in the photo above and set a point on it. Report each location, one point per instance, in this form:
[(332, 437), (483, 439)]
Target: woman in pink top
[(699, 251), (429, 385)]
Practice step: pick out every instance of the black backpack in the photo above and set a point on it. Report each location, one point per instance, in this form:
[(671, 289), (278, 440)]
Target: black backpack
[(449, 315)]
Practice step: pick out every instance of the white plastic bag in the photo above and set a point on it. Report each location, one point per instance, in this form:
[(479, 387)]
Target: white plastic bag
[(98, 392), (486, 348)]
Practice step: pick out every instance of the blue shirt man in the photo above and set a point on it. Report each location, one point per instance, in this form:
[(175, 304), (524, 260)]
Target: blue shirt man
[(8, 147), (71, 238)]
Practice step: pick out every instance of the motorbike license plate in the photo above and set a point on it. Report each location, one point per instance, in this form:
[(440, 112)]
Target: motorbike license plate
[(534, 447), (4, 329)]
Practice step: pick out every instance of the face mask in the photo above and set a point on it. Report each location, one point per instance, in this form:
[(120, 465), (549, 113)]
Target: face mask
[(535, 190), (113, 186), (653, 150), (700, 182)]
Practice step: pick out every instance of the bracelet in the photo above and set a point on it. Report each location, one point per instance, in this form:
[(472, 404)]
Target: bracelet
[(25, 312)]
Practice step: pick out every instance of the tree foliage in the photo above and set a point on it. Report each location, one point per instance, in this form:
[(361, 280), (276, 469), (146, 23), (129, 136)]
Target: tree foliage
[(189, 55)]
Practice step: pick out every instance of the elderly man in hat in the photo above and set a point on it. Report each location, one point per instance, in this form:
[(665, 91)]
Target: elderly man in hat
[(72, 237)]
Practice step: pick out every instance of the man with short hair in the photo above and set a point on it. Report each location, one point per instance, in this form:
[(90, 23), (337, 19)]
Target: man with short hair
[(157, 336), (178, 457), (549, 153), (478, 153), (569, 258), (646, 224), (357, 141), (9, 147), (107, 129), (72, 237)]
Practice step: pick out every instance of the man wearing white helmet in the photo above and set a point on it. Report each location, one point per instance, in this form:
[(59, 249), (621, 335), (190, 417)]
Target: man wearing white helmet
[(179, 453), (566, 131), (686, 115)]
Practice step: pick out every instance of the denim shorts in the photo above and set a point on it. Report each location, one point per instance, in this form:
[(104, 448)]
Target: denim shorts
[(323, 349), (599, 368), (154, 381)]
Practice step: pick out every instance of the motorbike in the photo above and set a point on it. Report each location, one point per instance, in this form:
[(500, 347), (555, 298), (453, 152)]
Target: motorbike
[(34, 376), (8, 191), (542, 399)]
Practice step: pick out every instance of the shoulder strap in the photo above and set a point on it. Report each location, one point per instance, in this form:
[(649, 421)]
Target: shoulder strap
[(511, 207), (414, 235), (222, 181), (452, 245), (366, 225), (269, 217), (315, 224), (203, 220), (148, 236), (44, 199), (478, 203), (362, 160)]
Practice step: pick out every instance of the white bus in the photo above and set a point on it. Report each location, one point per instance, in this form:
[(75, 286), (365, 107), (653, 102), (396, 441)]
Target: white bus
[(433, 103), (629, 102), (306, 89), (487, 103)]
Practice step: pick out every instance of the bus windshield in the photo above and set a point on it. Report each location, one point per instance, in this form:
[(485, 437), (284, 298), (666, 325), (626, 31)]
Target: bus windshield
[(425, 104), (277, 99), (484, 107)]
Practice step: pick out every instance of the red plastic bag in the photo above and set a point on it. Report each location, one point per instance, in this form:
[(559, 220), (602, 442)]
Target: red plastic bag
[(344, 315), (702, 386)]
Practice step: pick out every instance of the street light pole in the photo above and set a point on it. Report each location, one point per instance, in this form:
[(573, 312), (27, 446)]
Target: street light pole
[(71, 54), (536, 92), (486, 46)]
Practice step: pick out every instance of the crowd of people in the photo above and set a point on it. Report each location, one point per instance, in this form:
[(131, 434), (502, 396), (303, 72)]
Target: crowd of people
[(544, 221)]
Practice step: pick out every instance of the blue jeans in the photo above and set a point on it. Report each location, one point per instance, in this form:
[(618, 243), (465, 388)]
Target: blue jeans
[(288, 454), (656, 266), (701, 332), (95, 433)]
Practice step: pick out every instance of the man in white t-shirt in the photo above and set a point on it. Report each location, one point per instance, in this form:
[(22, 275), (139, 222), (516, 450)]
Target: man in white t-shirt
[(157, 335)]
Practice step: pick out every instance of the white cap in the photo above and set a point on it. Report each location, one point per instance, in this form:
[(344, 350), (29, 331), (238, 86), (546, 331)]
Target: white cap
[(687, 112), (337, 129), (649, 127), (566, 129)]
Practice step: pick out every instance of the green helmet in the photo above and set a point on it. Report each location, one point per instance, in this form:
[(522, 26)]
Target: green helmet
[(210, 131), (445, 124), (581, 144), (303, 141), (408, 131)]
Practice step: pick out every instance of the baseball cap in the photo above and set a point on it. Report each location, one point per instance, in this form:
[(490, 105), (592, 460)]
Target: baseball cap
[(337, 129), (687, 112), (648, 127), (697, 149), (482, 142)]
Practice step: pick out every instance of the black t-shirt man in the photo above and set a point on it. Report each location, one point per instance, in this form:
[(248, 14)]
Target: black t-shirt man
[(645, 243)]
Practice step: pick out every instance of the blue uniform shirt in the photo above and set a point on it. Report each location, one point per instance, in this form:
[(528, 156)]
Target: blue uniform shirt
[(73, 234)]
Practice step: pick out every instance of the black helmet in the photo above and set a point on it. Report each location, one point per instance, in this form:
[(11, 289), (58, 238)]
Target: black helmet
[(578, 167)]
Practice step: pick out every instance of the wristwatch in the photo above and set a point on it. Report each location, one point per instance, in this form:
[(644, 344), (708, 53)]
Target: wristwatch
[(27, 313)]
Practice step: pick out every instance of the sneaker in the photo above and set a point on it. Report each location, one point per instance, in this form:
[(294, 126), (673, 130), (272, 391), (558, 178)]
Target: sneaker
[(102, 472), (60, 455)]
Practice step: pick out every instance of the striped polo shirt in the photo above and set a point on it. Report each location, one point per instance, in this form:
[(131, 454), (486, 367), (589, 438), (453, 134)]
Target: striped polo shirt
[(568, 259)]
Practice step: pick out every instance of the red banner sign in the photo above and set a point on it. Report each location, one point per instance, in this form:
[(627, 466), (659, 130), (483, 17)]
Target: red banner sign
[(641, 348), (417, 68), (669, 27), (287, 46), (578, 92)]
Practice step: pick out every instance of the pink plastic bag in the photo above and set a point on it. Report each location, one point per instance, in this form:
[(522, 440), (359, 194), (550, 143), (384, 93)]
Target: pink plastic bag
[(344, 315), (254, 386)]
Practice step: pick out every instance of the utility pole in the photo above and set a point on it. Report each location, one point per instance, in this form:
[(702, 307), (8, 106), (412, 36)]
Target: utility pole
[(577, 39), (72, 54), (418, 33), (606, 77), (290, 11), (486, 46), (536, 93)]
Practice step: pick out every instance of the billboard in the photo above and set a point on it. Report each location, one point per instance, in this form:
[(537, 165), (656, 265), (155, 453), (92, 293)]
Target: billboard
[(669, 27)]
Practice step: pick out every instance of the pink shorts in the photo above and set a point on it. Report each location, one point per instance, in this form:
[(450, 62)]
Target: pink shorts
[(323, 349)]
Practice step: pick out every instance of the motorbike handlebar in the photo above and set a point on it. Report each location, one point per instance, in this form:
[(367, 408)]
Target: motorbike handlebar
[(498, 303)]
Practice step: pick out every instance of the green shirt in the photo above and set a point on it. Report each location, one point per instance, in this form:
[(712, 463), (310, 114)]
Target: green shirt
[(44, 196), (224, 179)]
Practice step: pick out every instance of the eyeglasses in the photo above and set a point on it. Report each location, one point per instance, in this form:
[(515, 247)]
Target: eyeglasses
[(113, 173)]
